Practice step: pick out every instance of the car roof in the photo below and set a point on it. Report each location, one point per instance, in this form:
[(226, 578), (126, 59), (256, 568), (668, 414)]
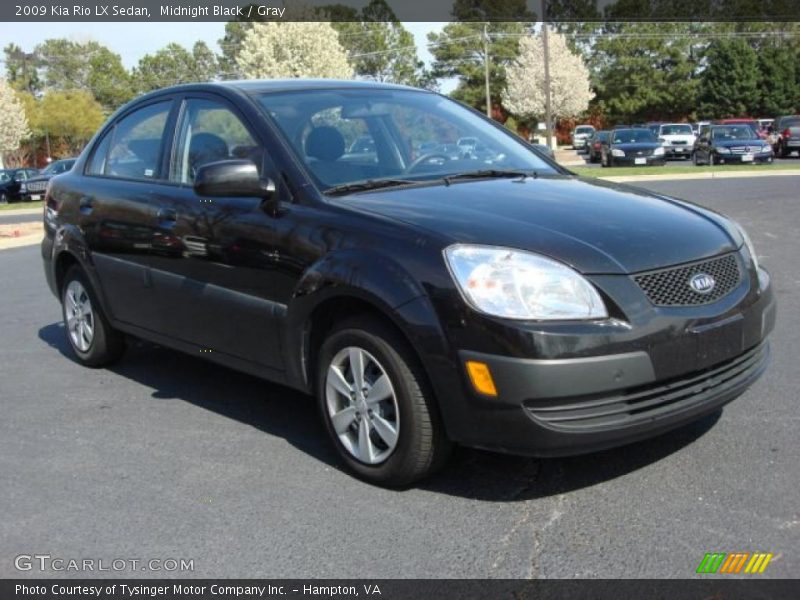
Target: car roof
[(257, 86)]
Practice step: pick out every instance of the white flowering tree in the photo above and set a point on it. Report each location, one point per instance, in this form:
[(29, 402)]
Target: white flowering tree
[(13, 123), (570, 92), (292, 49)]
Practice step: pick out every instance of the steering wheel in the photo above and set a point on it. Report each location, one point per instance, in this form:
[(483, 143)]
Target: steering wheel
[(423, 159)]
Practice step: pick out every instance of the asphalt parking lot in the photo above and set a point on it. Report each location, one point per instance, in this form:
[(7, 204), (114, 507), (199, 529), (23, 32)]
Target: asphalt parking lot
[(167, 456)]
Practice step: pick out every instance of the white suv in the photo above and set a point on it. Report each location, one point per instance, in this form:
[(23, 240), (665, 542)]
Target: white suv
[(678, 139)]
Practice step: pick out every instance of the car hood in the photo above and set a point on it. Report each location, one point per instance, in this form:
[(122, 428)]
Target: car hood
[(744, 142), (596, 227), (39, 178), (679, 137)]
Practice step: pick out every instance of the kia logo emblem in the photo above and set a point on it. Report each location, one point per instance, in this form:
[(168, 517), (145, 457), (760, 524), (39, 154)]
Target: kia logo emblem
[(702, 283)]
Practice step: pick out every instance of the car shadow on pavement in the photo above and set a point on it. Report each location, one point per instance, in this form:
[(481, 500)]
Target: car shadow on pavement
[(291, 415)]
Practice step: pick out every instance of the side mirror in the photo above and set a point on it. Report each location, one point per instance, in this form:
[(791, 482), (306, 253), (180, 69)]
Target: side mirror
[(238, 177)]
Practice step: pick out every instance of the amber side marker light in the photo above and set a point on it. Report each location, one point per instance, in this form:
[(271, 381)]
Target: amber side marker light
[(481, 378)]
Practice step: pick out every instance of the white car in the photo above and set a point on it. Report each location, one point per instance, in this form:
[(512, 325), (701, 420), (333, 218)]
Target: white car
[(677, 139), (580, 136)]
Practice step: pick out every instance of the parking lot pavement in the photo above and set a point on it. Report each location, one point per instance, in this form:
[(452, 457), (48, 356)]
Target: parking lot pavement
[(167, 456)]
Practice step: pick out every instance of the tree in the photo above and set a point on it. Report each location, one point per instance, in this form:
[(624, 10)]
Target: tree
[(21, 69), (174, 64), (68, 65), (13, 123), (292, 49), (778, 80), (70, 118), (570, 92), (379, 47), (730, 82), (459, 49)]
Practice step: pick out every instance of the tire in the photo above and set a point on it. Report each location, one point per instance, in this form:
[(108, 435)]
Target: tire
[(92, 339), (710, 159), (398, 440), (695, 160)]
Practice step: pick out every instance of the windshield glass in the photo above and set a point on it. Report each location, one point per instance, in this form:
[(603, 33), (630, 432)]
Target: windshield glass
[(5, 176), (679, 129), (733, 132), (356, 135), (633, 136), (57, 167), (584, 129)]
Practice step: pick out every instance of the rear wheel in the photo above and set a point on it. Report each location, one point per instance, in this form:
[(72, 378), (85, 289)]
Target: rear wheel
[(376, 405), (92, 339)]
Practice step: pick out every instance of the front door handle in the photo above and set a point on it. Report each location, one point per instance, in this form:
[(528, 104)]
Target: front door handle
[(86, 205), (167, 216)]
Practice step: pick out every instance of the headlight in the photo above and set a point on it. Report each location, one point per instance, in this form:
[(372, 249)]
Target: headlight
[(722, 150), (766, 148), (521, 285), (617, 152), (23, 188), (748, 243), (658, 151)]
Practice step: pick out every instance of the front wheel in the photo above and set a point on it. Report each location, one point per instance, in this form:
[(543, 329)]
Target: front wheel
[(92, 339), (376, 404)]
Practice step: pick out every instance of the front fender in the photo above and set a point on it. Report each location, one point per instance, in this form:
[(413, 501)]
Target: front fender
[(373, 278)]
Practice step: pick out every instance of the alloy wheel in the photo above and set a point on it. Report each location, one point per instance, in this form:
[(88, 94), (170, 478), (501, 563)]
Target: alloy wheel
[(79, 316), (362, 405)]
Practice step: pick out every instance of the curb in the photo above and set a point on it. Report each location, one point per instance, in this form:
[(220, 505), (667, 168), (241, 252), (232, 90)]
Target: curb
[(22, 211), (28, 240), (706, 175)]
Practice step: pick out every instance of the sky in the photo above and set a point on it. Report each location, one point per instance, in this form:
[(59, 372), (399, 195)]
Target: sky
[(133, 40)]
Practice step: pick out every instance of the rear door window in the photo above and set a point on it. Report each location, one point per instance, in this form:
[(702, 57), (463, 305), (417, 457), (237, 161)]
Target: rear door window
[(135, 151)]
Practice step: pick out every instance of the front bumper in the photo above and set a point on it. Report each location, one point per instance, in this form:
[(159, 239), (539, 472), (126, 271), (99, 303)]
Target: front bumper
[(679, 371), (678, 151), (630, 161), (759, 158)]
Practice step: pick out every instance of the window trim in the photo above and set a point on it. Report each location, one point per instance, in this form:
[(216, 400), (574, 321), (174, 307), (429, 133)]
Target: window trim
[(267, 164), (111, 129)]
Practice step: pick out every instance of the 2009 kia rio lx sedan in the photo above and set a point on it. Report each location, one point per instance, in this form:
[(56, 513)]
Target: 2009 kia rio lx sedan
[(426, 297)]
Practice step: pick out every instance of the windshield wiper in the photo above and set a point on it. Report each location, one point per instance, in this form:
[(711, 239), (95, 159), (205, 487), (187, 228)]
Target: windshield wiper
[(488, 174), (369, 184)]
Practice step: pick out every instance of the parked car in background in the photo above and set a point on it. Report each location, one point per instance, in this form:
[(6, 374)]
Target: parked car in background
[(678, 139), (786, 130), (737, 143), (765, 124), (33, 189), (424, 301), (11, 182), (653, 126), (632, 147), (752, 123), (581, 135), (596, 145)]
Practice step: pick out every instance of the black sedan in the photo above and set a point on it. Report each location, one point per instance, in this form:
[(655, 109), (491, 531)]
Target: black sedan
[(632, 147), (423, 300), (596, 143), (12, 182), (34, 187), (725, 144)]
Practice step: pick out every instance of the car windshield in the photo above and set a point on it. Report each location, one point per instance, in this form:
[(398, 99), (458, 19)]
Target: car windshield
[(733, 132), (6, 176), (57, 167), (584, 129), (679, 129), (349, 136), (633, 136)]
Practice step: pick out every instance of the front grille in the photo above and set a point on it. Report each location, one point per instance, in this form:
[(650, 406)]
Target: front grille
[(670, 287), (37, 186), (644, 403), (679, 142), (744, 149), (634, 153)]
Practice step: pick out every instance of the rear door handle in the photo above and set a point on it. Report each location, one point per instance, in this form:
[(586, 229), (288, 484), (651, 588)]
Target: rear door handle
[(86, 205), (167, 216)]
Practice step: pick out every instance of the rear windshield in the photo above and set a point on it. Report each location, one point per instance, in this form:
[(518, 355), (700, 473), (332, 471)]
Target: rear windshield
[(633, 136), (679, 129)]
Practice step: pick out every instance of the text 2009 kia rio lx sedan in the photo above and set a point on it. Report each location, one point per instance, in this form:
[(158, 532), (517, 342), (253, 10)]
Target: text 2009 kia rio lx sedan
[(426, 297)]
